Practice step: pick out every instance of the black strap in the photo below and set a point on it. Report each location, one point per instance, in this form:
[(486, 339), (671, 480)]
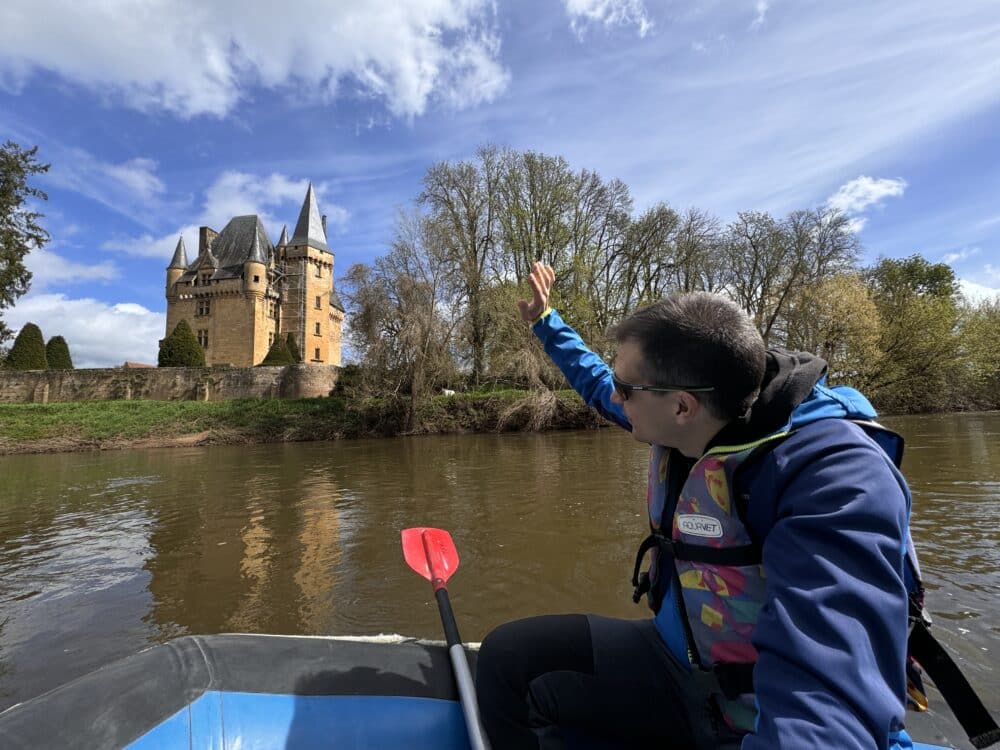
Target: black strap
[(956, 690), (640, 581), (748, 554)]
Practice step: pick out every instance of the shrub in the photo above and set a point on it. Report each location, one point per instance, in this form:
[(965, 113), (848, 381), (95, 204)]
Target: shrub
[(57, 354), (181, 348), (28, 352), (293, 349), (277, 355)]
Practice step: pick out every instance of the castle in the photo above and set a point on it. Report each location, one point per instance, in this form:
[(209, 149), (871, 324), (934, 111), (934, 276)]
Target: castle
[(241, 292)]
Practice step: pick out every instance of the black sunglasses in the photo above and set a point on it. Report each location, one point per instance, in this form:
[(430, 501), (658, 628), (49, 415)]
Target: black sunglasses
[(624, 389)]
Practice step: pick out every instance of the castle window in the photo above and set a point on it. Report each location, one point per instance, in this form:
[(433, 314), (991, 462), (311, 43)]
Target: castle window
[(316, 356), (319, 272), (319, 304), (317, 329), (270, 339), (204, 278), (204, 307), (203, 338), (256, 279)]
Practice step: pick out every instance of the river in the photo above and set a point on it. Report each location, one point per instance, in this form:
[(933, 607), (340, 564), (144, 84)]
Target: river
[(102, 554)]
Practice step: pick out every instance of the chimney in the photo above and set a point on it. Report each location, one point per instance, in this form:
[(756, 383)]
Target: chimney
[(205, 237), (324, 225)]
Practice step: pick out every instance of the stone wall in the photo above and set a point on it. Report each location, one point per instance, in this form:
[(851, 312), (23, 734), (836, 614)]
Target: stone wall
[(166, 383)]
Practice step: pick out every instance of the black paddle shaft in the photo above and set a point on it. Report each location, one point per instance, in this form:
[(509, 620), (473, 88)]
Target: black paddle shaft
[(447, 617)]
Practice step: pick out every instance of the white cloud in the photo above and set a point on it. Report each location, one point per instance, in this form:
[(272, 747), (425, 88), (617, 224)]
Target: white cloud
[(586, 13), (192, 58), (136, 175), (761, 8), (50, 269), (98, 334), (237, 194), (856, 223), (131, 188), (976, 293), (956, 257), (860, 194)]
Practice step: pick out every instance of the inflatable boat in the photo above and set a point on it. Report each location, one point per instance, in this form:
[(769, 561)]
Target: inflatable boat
[(254, 692), (269, 692)]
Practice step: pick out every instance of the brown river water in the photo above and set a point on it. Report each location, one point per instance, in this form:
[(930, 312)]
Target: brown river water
[(104, 554)]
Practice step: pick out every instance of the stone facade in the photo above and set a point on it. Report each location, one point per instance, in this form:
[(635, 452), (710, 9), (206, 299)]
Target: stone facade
[(166, 383), (242, 292)]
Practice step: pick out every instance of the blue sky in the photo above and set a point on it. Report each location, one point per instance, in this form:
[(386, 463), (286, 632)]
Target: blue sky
[(160, 117)]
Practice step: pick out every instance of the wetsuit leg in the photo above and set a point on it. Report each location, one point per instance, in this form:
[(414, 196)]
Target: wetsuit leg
[(582, 681)]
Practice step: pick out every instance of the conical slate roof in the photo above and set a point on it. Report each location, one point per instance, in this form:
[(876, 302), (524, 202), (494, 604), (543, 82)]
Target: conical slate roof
[(283, 239), (309, 228), (257, 253), (180, 256)]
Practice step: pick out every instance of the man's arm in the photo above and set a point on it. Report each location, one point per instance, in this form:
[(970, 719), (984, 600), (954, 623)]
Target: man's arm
[(832, 634), (587, 373)]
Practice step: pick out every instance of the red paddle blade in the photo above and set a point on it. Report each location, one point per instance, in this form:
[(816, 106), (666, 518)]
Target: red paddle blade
[(430, 552)]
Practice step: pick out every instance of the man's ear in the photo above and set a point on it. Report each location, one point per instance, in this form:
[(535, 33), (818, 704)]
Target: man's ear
[(687, 408)]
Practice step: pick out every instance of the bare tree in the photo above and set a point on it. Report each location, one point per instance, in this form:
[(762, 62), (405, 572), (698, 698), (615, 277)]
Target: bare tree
[(698, 265), (402, 315), (462, 198)]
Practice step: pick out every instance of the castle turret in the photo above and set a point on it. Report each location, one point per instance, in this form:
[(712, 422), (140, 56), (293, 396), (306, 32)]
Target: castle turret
[(255, 268), (176, 268), (309, 229)]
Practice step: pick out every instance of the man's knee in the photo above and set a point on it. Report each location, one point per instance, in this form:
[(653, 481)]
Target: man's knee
[(498, 662)]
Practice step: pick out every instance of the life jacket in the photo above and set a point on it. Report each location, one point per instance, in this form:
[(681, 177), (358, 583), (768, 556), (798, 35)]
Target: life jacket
[(701, 546)]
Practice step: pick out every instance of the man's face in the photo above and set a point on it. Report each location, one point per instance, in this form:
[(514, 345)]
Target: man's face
[(652, 414)]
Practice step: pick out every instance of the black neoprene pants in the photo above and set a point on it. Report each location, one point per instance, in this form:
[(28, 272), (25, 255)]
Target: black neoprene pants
[(583, 681)]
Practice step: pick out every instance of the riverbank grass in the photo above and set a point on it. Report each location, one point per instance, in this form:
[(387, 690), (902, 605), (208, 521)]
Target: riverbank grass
[(39, 428)]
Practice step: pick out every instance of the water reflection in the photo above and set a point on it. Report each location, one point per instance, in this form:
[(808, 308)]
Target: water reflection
[(103, 554)]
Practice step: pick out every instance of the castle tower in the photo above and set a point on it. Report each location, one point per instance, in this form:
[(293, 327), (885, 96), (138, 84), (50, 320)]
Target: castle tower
[(176, 268), (308, 285)]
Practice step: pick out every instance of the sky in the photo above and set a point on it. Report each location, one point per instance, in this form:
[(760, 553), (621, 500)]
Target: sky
[(159, 117)]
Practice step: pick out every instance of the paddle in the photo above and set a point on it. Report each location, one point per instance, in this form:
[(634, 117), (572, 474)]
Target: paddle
[(432, 554)]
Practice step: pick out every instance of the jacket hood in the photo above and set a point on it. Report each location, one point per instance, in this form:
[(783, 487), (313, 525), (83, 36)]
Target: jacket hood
[(793, 394)]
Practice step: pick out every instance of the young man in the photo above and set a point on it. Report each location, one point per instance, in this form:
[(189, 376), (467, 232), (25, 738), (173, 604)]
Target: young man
[(777, 559)]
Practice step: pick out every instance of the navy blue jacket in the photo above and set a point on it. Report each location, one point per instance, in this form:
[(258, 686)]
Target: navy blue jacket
[(833, 513)]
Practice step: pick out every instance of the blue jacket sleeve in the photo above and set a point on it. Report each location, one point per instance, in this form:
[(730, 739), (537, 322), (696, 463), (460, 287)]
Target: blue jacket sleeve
[(588, 374), (831, 636)]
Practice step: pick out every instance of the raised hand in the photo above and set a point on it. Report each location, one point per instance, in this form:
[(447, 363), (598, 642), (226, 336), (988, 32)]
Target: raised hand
[(541, 279)]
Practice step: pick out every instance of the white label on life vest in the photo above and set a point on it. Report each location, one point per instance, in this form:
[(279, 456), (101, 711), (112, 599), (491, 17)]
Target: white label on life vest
[(697, 525)]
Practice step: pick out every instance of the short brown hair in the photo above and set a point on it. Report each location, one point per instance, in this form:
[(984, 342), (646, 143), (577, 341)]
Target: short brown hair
[(700, 339)]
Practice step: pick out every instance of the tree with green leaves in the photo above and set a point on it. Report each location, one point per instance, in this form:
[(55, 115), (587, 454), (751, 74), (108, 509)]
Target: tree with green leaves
[(979, 338), (278, 355), (28, 352), (293, 349), (57, 354), (181, 348), (917, 303), (20, 231)]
